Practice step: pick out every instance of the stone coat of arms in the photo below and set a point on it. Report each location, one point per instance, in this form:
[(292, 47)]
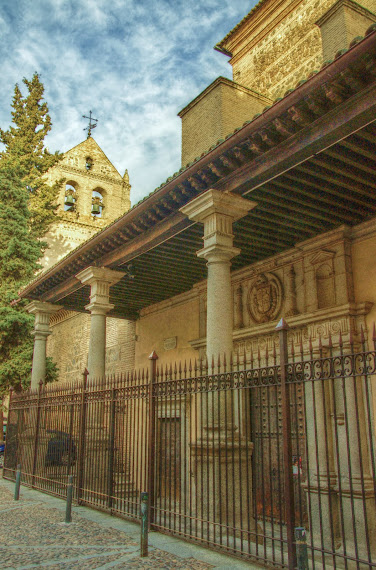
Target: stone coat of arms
[(265, 298)]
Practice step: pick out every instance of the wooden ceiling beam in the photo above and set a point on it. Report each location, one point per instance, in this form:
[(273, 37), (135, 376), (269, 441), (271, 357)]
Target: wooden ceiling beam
[(293, 204), (254, 225), (286, 221), (349, 160), (334, 185), (261, 234), (362, 151), (337, 167), (296, 184), (367, 136)]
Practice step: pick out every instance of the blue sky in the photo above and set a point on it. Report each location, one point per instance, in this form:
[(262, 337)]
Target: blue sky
[(134, 63)]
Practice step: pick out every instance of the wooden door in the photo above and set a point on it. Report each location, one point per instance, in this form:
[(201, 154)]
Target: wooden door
[(169, 459)]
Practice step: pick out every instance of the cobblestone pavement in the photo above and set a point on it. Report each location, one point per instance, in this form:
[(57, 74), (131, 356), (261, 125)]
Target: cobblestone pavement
[(33, 535)]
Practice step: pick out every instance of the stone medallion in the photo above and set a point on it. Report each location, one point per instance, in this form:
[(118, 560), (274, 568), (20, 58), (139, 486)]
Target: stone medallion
[(265, 298)]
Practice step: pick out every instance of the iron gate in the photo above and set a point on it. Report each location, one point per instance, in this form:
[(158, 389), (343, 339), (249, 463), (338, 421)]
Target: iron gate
[(234, 455)]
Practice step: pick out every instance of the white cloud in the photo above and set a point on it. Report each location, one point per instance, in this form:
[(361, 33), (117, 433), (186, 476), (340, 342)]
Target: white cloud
[(134, 63)]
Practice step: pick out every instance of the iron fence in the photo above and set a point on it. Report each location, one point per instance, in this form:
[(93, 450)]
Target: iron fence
[(234, 455)]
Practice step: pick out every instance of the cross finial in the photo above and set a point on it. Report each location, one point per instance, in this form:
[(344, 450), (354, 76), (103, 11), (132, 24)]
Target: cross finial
[(92, 125)]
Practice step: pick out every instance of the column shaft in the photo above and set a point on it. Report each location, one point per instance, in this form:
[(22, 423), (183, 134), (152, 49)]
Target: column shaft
[(100, 280), (219, 310), (38, 371), (97, 346)]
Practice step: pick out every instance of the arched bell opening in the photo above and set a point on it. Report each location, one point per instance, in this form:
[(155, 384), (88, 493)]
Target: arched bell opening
[(97, 203), (70, 197)]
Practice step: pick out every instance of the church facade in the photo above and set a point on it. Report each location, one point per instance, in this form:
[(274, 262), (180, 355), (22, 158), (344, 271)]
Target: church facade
[(272, 215)]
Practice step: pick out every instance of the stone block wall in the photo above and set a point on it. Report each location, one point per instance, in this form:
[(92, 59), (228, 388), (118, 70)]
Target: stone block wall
[(281, 44)]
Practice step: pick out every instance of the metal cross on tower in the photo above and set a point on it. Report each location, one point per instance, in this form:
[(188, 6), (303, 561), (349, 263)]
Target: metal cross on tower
[(92, 125)]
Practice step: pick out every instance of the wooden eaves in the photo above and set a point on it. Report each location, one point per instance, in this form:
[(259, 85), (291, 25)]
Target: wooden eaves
[(308, 161)]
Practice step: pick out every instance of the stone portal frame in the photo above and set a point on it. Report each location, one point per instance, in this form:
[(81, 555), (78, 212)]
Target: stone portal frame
[(171, 409)]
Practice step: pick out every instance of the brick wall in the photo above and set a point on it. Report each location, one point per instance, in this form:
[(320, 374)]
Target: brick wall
[(341, 24), (215, 113), (69, 344)]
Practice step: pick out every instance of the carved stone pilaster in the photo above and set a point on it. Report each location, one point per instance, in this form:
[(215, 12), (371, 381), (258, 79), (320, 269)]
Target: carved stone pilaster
[(291, 307), (239, 321)]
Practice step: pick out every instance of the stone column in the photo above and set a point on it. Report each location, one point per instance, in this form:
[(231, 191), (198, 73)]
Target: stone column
[(100, 280), (98, 413), (217, 211), (42, 312), (222, 494)]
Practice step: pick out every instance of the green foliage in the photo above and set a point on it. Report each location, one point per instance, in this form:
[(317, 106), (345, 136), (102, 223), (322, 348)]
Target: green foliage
[(25, 140), (26, 210)]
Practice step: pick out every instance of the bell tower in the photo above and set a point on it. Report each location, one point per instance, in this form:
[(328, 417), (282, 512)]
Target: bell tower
[(92, 195)]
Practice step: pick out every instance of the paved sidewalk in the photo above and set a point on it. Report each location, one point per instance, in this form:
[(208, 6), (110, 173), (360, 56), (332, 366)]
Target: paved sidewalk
[(33, 535)]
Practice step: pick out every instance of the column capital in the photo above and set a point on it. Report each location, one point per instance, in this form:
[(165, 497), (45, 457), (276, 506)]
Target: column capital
[(217, 211), (218, 253), (92, 274), (41, 335), (42, 307), (216, 202), (96, 308), (100, 280), (42, 312)]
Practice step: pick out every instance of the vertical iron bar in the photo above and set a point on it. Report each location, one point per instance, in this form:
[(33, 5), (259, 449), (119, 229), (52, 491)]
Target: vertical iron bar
[(110, 486), (301, 548), (151, 437), (144, 511), (68, 509), (37, 422), (70, 443), (18, 483), (282, 328), (81, 446)]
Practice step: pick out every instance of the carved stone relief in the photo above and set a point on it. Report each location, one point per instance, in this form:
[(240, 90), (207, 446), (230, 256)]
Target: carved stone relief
[(265, 298)]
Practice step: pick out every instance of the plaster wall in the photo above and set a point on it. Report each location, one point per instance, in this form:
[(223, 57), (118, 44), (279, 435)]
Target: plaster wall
[(167, 328)]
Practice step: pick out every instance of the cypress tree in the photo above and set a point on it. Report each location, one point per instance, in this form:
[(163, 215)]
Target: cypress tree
[(27, 208)]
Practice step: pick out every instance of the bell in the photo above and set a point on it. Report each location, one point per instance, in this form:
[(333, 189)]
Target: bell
[(95, 209), (69, 200)]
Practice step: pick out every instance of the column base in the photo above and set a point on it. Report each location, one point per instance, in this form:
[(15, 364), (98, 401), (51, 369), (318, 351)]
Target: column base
[(222, 483)]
